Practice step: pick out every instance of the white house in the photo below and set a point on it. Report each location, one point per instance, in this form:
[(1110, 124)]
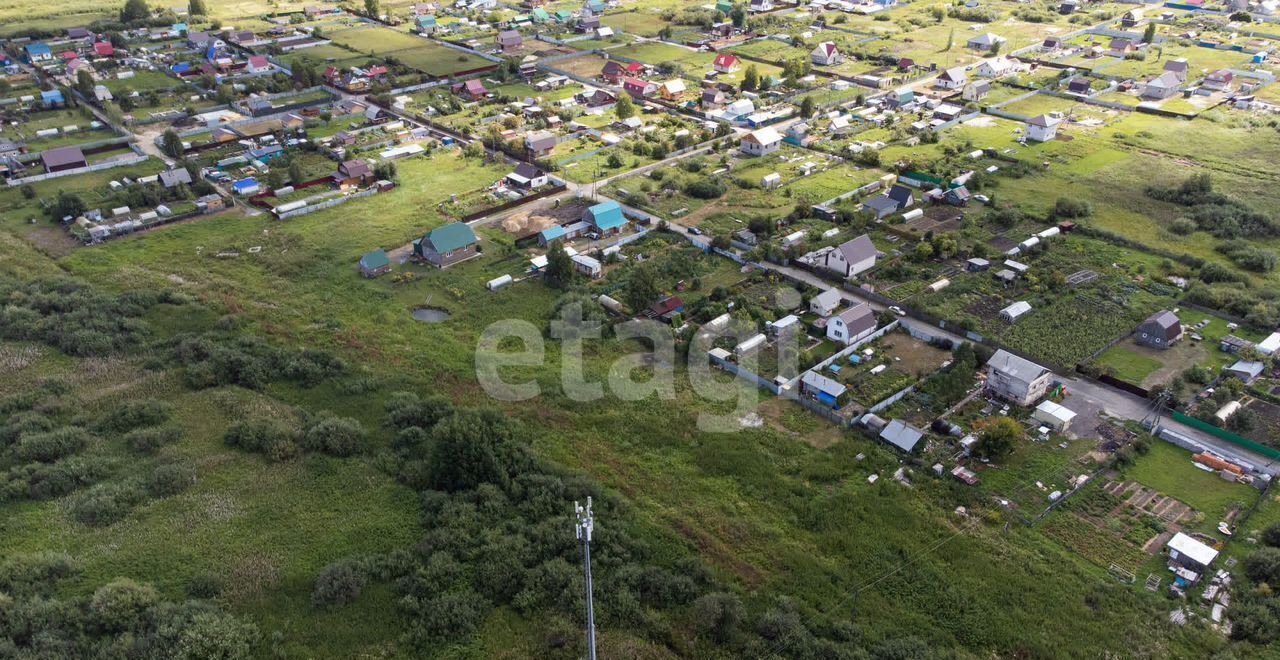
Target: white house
[(985, 41), (996, 67), (825, 303), (826, 54), (953, 78), (1162, 87), (851, 257), (760, 142), (1042, 128), (1016, 379), (852, 325)]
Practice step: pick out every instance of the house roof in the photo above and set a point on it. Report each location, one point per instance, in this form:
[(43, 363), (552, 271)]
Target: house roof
[(858, 249), (712, 95), (858, 319), (528, 171), (881, 204), (823, 384), (38, 49), (955, 74), (175, 176), (453, 236), (474, 87), (901, 194), (78, 33), (591, 263), (612, 68), (1167, 321), (1044, 120), (901, 435), (1179, 65), (667, 305), (828, 298), (540, 140), (259, 61), (1195, 550), (552, 233), (509, 37), (986, 39), (1016, 367), (725, 59), (61, 156), (825, 49), (354, 168), (1058, 412), (104, 48), (607, 215), (1166, 80), (376, 259), (1253, 369), (766, 135), (674, 86)]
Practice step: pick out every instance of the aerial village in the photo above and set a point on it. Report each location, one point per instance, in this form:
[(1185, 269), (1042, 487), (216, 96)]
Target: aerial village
[(901, 200)]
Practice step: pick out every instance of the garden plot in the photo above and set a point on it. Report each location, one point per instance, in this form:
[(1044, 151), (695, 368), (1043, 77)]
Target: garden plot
[(416, 52), (1169, 471)]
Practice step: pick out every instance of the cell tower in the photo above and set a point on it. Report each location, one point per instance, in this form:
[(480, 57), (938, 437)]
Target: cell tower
[(585, 523)]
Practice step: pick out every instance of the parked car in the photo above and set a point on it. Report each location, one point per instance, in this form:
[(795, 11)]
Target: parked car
[(982, 198), (897, 310), (695, 231)]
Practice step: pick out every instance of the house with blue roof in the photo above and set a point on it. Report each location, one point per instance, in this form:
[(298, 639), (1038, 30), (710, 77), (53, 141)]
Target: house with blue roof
[(52, 98), (179, 28), (181, 68), (427, 24), (447, 245), (37, 53), (606, 218), (246, 186), (546, 236)]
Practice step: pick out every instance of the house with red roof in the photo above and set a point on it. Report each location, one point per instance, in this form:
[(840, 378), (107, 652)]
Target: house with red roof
[(725, 63), (104, 49), (639, 88), (258, 64), (473, 89)]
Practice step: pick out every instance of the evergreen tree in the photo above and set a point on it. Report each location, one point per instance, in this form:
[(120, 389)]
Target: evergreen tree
[(171, 144), (625, 107), (750, 78), (197, 8)]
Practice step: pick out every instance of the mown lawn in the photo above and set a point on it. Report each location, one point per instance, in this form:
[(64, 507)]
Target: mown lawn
[(1130, 367)]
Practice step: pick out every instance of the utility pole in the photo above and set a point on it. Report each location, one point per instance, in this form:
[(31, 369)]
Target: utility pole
[(585, 522)]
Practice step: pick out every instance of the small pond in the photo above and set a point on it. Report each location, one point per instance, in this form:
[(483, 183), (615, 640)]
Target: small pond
[(430, 314)]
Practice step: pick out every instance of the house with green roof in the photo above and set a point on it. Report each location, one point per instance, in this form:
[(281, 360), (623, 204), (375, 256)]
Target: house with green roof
[(375, 263), (564, 16), (724, 6), (605, 217), (447, 245), (540, 15)]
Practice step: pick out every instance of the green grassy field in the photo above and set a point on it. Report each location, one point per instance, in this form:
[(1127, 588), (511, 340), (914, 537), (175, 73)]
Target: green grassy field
[(1129, 366)]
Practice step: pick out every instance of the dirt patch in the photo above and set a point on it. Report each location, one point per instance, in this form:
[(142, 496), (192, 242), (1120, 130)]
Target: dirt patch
[(718, 552), (912, 355), (53, 241), (988, 308)]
